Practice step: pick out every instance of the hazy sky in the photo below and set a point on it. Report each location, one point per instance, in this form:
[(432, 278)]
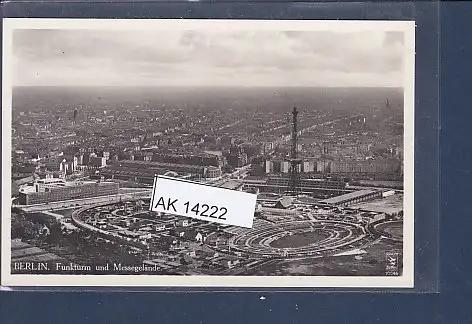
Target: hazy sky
[(202, 58)]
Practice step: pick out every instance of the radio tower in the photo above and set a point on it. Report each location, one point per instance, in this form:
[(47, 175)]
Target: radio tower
[(294, 181)]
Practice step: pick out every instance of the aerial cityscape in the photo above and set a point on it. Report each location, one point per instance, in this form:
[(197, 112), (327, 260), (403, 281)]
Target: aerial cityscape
[(326, 164)]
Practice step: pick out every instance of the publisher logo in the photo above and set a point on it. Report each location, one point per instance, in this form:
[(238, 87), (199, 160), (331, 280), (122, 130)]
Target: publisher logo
[(391, 268)]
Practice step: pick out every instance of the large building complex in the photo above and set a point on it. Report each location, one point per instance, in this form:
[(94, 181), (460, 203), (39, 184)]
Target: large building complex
[(305, 166), (353, 197), (311, 186), (52, 190), (346, 167), (144, 171), (366, 167), (188, 158)]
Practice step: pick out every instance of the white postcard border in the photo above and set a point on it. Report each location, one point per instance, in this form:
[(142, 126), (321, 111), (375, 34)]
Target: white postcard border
[(404, 281)]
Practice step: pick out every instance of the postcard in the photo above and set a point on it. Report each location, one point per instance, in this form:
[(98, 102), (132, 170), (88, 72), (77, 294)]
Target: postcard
[(208, 153)]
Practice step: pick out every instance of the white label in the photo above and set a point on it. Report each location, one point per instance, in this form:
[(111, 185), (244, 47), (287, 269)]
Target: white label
[(203, 202)]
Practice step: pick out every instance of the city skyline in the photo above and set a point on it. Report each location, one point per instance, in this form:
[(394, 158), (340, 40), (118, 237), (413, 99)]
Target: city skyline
[(208, 58)]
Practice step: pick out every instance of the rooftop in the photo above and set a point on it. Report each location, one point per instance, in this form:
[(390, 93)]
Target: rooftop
[(24, 251), (159, 165), (27, 251), (307, 200), (125, 171), (285, 201), (231, 184), (348, 196), (15, 244), (61, 184)]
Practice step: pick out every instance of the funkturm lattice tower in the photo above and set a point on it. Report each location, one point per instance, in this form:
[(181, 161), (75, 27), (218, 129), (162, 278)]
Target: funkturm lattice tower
[(295, 162)]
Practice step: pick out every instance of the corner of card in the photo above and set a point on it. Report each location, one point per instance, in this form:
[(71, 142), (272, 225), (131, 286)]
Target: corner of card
[(203, 202)]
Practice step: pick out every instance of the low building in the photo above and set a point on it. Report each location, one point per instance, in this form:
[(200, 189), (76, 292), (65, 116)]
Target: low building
[(135, 235), (284, 202), (20, 172), (233, 185), (179, 231), (386, 166), (182, 223), (213, 172), (98, 161), (58, 190), (159, 227), (226, 261), (275, 184), (199, 237), (388, 193), (353, 197)]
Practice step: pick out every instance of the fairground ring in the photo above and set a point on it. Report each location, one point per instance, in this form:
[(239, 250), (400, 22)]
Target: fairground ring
[(336, 237), (325, 237)]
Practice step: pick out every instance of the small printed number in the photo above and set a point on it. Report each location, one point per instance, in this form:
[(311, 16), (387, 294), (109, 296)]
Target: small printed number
[(206, 207), (214, 212), (225, 211), (186, 209), (195, 209)]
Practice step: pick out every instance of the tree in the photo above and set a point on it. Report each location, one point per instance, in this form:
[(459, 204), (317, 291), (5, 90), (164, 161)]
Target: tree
[(55, 234), (30, 230), (17, 229)]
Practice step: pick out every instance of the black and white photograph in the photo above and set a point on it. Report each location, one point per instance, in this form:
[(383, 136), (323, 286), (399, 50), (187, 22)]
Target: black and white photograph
[(313, 119)]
